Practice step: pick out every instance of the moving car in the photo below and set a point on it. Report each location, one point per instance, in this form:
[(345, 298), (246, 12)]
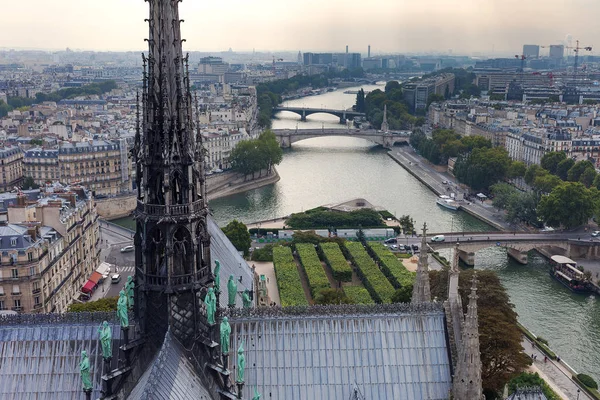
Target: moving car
[(127, 249), (595, 233), (115, 278), (391, 240), (438, 238)]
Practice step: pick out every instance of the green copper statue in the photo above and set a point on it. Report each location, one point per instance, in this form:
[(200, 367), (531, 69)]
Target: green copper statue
[(105, 339), (129, 291), (84, 371), (225, 332), (232, 290), (256, 394), (211, 305), (246, 299), (122, 310), (241, 363), (217, 276)]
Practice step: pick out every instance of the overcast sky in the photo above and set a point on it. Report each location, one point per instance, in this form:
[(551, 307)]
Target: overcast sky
[(465, 26)]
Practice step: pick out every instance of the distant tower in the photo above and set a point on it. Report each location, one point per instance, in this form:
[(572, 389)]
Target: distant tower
[(384, 124), (369, 52), (467, 378), (421, 289), (300, 61), (172, 244)]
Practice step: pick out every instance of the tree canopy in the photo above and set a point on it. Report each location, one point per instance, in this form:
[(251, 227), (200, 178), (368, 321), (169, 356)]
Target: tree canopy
[(502, 355), (332, 296), (482, 167), (239, 236), (320, 218), (570, 204), (106, 304), (251, 156)]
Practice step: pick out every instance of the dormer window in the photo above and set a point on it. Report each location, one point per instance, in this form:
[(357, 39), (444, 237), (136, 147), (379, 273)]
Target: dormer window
[(13, 242)]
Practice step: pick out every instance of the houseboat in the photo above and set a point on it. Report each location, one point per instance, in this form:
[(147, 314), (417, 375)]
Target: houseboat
[(447, 202), (565, 271)]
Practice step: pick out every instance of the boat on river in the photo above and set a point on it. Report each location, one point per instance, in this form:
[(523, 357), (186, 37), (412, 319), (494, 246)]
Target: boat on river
[(565, 271), (447, 202)]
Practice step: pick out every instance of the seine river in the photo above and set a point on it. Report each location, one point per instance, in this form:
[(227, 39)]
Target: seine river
[(332, 170)]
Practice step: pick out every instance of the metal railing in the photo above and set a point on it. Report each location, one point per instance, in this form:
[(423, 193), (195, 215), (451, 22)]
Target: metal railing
[(177, 209)]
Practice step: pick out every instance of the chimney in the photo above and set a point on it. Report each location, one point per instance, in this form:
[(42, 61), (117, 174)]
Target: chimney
[(32, 231), (346, 49), (21, 200), (369, 52)]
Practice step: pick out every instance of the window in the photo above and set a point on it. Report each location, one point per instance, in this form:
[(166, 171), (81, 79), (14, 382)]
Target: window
[(30, 256), (16, 289), (33, 270), (2, 305), (1, 291), (36, 300), (13, 241), (15, 273), (17, 303)]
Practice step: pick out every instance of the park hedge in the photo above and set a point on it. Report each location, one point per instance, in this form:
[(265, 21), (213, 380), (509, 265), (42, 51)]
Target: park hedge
[(373, 279), (358, 295), (393, 269), (313, 269), (333, 257), (291, 292), (589, 390)]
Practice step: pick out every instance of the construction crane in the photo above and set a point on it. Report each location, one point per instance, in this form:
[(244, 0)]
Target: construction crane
[(279, 59), (522, 57), (576, 51)]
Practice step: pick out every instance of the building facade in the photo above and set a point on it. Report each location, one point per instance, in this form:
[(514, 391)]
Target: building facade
[(11, 166)]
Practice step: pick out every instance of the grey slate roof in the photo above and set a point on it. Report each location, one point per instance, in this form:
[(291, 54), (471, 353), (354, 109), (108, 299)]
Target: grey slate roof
[(169, 376), (39, 357), (231, 262), (324, 357)]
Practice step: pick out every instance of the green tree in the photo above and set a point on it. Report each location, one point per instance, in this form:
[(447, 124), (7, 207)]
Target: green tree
[(522, 207), (517, 169), (106, 304), (596, 183), (263, 254), (391, 86), (588, 176), (360, 101), (502, 355), (239, 236), (532, 172), (4, 109), (551, 160), (563, 167), (28, 183), (570, 204), (332, 296), (527, 380), (403, 295), (482, 167), (502, 194), (546, 182), (578, 169)]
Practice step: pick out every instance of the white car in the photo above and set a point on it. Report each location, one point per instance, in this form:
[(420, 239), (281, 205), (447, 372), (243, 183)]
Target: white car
[(595, 233), (127, 249), (438, 238)]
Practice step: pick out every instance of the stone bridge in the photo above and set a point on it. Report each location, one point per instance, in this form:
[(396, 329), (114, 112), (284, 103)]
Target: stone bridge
[(303, 112), (517, 246), (286, 137)]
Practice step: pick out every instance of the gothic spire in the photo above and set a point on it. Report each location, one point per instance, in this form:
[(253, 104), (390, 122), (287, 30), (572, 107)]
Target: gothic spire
[(454, 301), (467, 380), (421, 289), (384, 125)]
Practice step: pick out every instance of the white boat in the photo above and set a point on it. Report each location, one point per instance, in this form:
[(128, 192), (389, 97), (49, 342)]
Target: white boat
[(447, 202)]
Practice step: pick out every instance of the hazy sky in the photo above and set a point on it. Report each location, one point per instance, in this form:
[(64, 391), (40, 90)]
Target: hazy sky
[(465, 26)]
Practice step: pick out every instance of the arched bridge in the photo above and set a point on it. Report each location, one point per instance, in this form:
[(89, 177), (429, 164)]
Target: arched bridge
[(574, 245), (286, 137), (343, 115)]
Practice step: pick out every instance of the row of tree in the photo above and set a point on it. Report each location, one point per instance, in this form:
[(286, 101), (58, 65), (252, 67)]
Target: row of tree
[(444, 144), (256, 155), (398, 115)]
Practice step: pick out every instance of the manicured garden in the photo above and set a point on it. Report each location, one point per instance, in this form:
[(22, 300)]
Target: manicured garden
[(393, 269), (315, 274), (375, 282), (333, 257), (288, 278), (358, 295)]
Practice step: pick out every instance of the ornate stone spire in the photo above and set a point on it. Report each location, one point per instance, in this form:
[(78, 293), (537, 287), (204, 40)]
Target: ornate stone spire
[(384, 125), (421, 289), (172, 241), (467, 379), (454, 299)]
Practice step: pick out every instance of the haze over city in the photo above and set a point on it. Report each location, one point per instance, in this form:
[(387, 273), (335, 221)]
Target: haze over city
[(490, 27)]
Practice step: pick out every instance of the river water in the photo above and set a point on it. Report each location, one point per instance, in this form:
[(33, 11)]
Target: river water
[(332, 170)]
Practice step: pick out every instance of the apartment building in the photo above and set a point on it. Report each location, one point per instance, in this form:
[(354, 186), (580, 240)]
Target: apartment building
[(49, 250), (100, 165), (11, 166), (417, 93), (219, 145)]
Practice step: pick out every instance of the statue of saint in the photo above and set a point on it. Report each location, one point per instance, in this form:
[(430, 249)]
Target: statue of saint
[(246, 299), (232, 290), (84, 371), (211, 305), (256, 394), (241, 363), (122, 310), (105, 339), (217, 276), (129, 291), (225, 332)]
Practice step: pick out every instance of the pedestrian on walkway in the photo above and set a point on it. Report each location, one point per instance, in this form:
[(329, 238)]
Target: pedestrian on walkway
[(532, 356), (545, 359)]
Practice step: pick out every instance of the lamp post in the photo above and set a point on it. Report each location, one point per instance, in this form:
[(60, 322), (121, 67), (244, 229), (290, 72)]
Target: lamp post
[(578, 391)]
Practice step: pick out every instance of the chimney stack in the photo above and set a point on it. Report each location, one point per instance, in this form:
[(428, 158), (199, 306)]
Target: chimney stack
[(346, 49), (369, 52)]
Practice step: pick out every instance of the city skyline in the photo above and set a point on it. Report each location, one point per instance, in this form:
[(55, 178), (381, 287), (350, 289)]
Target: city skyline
[(494, 28)]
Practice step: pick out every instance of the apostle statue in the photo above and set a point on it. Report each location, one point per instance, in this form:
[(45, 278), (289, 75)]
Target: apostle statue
[(232, 291), (241, 363), (84, 372), (211, 305), (122, 310), (217, 276), (129, 291), (246, 299), (225, 330), (106, 340)]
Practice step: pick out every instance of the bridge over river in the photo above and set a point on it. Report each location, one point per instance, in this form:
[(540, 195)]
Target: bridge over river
[(517, 244), (303, 112), (286, 137)]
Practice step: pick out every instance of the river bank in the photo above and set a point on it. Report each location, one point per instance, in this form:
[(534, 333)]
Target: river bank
[(236, 183)]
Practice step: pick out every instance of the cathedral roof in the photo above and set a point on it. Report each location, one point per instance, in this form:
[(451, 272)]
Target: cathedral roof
[(386, 352)]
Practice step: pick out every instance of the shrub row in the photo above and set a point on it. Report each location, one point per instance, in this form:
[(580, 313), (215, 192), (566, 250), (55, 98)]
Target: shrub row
[(358, 295), (545, 349), (288, 279), (332, 255), (588, 389), (395, 271), (315, 274), (375, 282)]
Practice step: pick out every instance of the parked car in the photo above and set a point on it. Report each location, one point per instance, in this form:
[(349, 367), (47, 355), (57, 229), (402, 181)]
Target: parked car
[(595, 233), (116, 278), (393, 247), (438, 238), (127, 249), (415, 247), (391, 240)]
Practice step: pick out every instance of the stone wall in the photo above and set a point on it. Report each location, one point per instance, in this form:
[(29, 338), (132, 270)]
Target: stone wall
[(116, 207)]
